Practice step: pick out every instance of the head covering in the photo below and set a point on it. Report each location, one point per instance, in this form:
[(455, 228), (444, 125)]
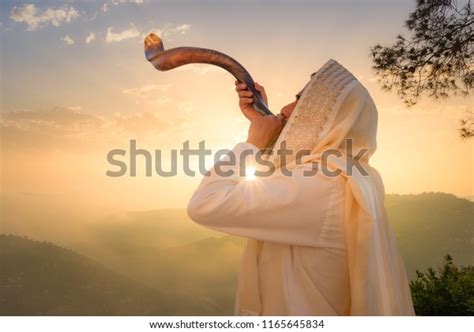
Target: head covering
[(334, 107)]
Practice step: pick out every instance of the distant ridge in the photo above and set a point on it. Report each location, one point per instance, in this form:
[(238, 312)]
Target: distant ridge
[(431, 225), (470, 198), (174, 266), (40, 278)]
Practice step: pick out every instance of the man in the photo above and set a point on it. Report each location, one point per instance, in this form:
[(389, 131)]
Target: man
[(319, 243)]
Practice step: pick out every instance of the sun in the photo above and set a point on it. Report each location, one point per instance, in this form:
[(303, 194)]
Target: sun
[(250, 173)]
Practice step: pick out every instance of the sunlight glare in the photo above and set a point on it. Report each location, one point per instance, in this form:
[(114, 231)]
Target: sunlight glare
[(250, 173)]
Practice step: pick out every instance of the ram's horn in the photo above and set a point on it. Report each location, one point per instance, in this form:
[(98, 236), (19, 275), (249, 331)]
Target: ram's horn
[(168, 59)]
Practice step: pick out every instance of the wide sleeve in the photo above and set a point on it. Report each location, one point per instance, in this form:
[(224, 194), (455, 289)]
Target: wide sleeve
[(277, 208)]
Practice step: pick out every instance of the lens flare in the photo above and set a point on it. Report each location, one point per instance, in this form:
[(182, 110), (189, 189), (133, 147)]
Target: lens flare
[(250, 173)]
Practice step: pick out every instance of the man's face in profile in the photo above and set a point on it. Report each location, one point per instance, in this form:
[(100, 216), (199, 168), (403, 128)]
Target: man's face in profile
[(288, 109)]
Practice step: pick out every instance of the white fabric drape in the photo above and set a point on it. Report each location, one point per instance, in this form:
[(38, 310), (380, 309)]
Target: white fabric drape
[(336, 108), (295, 260), (323, 244)]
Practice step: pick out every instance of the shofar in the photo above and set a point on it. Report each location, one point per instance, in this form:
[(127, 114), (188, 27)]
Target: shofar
[(179, 56)]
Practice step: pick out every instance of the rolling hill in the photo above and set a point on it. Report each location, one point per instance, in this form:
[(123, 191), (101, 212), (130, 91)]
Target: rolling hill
[(148, 252), (427, 225), (430, 225), (39, 278)]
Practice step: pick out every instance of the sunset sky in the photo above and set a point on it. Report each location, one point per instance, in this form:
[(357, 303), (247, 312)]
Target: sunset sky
[(75, 84)]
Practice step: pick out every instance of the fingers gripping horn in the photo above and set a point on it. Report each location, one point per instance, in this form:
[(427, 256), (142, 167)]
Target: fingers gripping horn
[(164, 60)]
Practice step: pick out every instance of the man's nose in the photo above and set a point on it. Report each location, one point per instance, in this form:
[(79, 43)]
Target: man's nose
[(285, 112)]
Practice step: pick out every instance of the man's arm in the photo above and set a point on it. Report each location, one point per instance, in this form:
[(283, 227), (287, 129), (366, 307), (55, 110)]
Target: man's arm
[(277, 208)]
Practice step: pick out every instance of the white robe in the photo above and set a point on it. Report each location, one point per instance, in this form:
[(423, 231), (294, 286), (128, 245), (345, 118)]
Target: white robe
[(299, 222), (316, 245)]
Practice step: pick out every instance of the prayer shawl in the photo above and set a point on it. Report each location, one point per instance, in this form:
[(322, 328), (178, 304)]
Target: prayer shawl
[(317, 245)]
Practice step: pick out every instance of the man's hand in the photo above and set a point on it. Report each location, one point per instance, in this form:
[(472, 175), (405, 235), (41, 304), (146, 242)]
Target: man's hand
[(264, 130), (246, 99)]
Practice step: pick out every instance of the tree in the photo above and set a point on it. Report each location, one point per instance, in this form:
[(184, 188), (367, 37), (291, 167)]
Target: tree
[(446, 292), (437, 58)]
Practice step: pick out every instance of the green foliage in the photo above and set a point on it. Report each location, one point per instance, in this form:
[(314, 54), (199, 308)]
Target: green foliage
[(438, 56), (446, 292), (436, 59)]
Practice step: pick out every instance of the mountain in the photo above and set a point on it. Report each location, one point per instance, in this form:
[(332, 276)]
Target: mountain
[(39, 278), (430, 225), (143, 254), (427, 226), (156, 228), (205, 268)]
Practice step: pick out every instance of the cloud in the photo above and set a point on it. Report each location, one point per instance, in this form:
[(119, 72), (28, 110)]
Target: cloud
[(72, 120), (183, 28), (70, 127), (112, 37), (140, 123), (118, 2), (168, 31), (35, 18), (147, 90), (56, 127), (67, 40), (90, 38), (106, 6), (161, 100), (70, 116)]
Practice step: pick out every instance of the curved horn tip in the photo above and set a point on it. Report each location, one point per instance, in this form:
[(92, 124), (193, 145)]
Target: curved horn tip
[(153, 45), (152, 40)]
